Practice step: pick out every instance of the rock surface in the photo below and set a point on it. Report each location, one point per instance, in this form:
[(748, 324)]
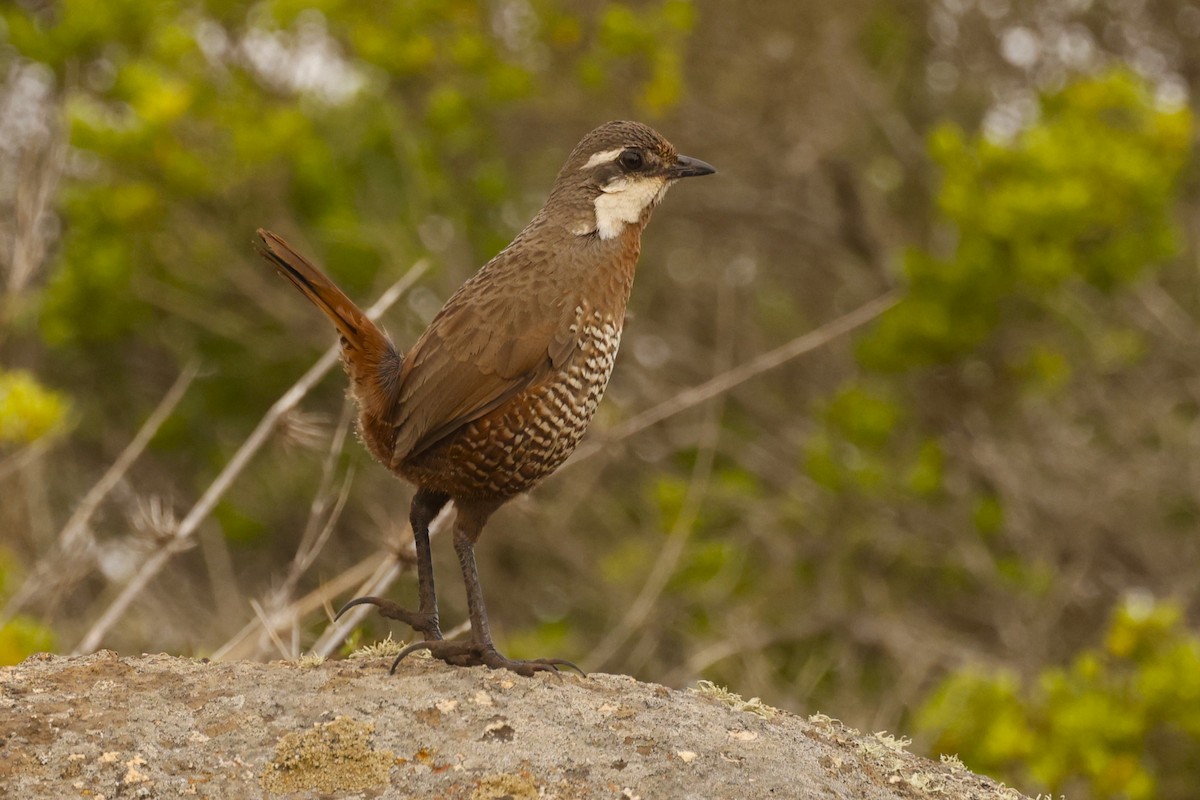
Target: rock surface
[(103, 726)]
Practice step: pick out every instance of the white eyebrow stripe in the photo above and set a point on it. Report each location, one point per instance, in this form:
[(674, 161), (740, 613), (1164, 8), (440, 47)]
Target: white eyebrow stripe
[(603, 157)]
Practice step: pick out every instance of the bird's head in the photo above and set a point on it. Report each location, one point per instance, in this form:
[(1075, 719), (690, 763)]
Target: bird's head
[(616, 175)]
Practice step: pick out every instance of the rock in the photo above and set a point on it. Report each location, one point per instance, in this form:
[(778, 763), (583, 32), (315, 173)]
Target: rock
[(103, 726)]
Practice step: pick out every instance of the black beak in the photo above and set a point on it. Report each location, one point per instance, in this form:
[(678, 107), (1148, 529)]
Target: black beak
[(688, 167)]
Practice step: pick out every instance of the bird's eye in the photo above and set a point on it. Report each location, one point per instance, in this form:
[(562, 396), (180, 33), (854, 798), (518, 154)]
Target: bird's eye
[(632, 159)]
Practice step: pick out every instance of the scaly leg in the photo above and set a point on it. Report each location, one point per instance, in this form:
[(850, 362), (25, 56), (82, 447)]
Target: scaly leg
[(480, 651), (425, 507)]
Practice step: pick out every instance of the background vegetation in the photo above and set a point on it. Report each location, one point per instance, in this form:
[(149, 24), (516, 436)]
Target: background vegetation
[(969, 511)]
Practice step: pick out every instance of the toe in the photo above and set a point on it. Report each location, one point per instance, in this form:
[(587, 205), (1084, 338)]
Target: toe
[(473, 654), (420, 621)]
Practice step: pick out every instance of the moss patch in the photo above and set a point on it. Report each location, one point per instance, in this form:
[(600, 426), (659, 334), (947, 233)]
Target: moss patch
[(506, 785), (330, 757)]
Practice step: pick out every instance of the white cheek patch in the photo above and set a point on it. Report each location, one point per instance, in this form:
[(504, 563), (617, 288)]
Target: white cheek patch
[(623, 200)]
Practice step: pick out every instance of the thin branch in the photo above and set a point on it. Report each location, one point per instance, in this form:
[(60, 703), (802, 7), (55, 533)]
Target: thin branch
[(684, 526), (1167, 311), (738, 375), (372, 575), (77, 524), (314, 538), (719, 650), (254, 442), (387, 573), (308, 554), (237, 648), (458, 630), (73, 532), (279, 611), (668, 557), (28, 453), (261, 613)]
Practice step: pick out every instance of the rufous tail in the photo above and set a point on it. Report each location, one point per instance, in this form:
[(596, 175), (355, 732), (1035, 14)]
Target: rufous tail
[(369, 355), (358, 331)]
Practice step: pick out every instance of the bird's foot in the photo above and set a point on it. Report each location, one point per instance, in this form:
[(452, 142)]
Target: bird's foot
[(473, 654), (425, 623)]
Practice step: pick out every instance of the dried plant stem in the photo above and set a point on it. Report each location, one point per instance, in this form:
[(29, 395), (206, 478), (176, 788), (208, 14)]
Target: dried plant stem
[(681, 531), (272, 630), (373, 575), (311, 549), (683, 526), (73, 533), (279, 611), (180, 538), (37, 165), (700, 660), (320, 525), (245, 643), (387, 571), (385, 575), (27, 454), (730, 379), (77, 525)]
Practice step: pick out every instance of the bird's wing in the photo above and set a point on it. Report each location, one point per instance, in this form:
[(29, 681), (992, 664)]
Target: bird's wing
[(483, 348)]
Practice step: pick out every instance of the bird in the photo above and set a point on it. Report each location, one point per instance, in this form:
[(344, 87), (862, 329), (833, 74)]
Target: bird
[(500, 388)]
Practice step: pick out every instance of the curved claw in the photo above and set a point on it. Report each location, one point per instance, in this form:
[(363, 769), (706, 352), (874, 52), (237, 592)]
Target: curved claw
[(359, 601), (558, 662), (409, 649)]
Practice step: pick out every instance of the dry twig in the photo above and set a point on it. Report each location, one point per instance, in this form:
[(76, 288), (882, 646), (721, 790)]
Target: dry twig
[(385, 575), (733, 378), (254, 442), (387, 570), (74, 533), (681, 531)]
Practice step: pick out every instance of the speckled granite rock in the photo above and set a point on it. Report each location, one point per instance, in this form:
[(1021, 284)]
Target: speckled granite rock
[(159, 726)]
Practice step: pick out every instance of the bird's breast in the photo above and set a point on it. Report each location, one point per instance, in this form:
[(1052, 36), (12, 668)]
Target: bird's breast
[(543, 425), (584, 377), (511, 449)]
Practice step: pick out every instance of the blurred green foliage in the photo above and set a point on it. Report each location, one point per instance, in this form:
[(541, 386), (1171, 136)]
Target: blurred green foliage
[(1081, 198), (1122, 721), (376, 133), (28, 410), (370, 127), (20, 636), (360, 119), (23, 636), (1080, 203), (1083, 195), (658, 35)]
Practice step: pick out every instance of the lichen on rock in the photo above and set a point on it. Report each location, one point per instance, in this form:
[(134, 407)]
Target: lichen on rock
[(329, 757)]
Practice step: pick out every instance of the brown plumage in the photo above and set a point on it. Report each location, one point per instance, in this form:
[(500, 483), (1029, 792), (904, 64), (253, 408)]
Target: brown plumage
[(501, 386)]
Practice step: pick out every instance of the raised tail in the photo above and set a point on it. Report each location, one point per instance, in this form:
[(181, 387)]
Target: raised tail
[(370, 358), (358, 332)]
